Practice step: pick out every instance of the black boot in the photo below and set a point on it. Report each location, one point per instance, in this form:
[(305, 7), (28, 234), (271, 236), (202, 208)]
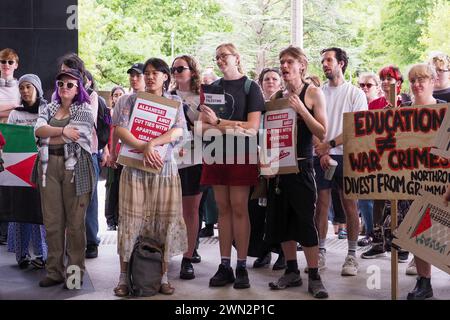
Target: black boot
[(422, 290)]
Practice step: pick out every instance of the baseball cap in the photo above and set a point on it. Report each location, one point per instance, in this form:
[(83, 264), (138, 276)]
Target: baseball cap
[(73, 73), (138, 67)]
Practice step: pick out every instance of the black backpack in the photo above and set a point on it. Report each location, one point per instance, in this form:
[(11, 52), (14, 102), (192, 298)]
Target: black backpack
[(103, 125), (145, 267)]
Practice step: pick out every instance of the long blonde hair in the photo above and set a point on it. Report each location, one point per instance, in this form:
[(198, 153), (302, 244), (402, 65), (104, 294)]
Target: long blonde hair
[(232, 48)]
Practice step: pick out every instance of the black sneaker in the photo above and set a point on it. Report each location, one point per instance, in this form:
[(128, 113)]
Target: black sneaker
[(196, 258), (376, 251), (262, 261), (241, 281), (91, 251), (222, 277), (207, 231), (3, 240), (403, 256), (187, 270)]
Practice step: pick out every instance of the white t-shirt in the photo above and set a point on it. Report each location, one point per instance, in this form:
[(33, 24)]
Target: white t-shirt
[(9, 98), (340, 99), (22, 118)]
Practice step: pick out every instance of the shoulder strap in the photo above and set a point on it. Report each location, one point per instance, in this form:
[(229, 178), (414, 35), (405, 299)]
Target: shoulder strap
[(247, 86)]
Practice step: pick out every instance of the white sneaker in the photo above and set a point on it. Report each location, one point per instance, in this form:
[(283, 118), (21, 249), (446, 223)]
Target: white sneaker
[(322, 261), (411, 269), (350, 266)]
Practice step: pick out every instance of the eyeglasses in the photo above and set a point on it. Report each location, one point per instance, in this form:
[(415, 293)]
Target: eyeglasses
[(10, 62), (179, 69), (69, 85), (368, 85), (223, 56)]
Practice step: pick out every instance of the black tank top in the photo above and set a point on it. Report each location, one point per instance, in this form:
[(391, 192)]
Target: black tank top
[(304, 135)]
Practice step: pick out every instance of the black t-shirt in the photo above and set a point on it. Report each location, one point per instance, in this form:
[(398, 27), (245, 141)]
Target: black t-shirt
[(443, 94), (239, 105)]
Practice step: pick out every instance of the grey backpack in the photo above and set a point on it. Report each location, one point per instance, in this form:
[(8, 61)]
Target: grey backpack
[(145, 268)]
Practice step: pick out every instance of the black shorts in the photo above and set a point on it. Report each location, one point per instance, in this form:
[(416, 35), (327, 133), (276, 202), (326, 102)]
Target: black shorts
[(290, 214), (338, 177), (190, 180)]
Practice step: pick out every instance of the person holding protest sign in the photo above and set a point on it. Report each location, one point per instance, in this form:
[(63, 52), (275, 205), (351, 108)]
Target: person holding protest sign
[(232, 174), (341, 96), (422, 78), (186, 74), (150, 203), (65, 174), (20, 235), (291, 200)]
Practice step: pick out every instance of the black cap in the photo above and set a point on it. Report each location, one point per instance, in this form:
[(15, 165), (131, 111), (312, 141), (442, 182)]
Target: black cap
[(73, 73), (138, 67)]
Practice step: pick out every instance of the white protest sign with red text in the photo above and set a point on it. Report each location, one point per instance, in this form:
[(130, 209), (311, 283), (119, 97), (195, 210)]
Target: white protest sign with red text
[(279, 154), (152, 117)]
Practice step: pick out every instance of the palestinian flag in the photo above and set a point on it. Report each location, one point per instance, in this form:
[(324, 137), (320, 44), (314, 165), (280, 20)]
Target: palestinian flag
[(19, 154)]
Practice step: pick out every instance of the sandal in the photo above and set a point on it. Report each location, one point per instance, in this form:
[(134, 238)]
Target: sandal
[(166, 288), (121, 290), (38, 263)]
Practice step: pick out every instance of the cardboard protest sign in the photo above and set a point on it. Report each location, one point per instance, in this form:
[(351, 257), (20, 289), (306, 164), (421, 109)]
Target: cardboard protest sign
[(425, 231), (442, 140), (279, 151), (387, 153), (152, 116)]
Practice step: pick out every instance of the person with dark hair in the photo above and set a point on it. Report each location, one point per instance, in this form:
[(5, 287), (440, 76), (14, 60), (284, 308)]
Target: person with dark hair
[(113, 171), (150, 203), (340, 96), (65, 175), (232, 174), (136, 77), (291, 197), (186, 74), (21, 235)]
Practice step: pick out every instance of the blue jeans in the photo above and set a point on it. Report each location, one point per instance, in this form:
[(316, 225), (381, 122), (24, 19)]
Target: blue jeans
[(92, 210), (366, 210)]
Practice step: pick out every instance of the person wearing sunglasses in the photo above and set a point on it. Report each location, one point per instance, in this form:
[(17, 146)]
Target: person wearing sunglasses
[(22, 235), (370, 84), (186, 75), (150, 203), (441, 62), (65, 176), (389, 75), (9, 89), (232, 174)]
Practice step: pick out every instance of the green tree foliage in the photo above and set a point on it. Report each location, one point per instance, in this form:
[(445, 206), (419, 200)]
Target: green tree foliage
[(115, 33), (436, 35)]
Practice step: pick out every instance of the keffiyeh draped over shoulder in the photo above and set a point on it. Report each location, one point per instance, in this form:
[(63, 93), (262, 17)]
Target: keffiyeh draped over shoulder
[(80, 118)]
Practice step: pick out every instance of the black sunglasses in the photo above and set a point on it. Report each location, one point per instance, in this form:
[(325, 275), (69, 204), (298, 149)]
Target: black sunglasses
[(179, 69), (10, 62), (368, 85)]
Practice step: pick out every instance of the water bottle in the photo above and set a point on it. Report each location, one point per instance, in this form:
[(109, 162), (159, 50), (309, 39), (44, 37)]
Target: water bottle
[(262, 202)]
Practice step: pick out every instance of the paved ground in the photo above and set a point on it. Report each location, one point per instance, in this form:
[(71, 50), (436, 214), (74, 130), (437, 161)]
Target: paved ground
[(104, 272)]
